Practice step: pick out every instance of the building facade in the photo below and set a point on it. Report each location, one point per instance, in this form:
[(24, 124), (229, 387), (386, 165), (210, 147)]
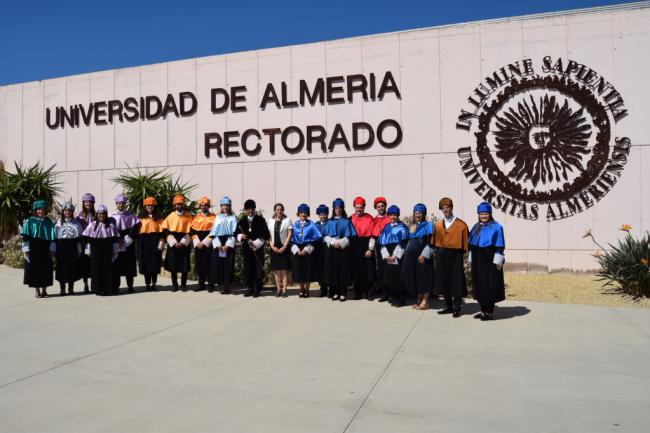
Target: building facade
[(543, 116)]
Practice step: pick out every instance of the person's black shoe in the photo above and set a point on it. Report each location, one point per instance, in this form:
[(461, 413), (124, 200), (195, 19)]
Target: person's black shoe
[(342, 299), (383, 298), (210, 289), (175, 289), (478, 316), (323, 293), (256, 295), (199, 288), (154, 288), (147, 289), (446, 310), (456, 313), (248, 293), (487, 316), (227, 291), (131, 290), (184, 288)]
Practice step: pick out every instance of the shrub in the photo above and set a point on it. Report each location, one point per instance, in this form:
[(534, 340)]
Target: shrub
[(11, 253), (159, 184), (18, 191), (624, 267)]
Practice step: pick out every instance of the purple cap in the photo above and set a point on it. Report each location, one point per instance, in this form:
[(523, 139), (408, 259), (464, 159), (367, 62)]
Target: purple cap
[(88, 197), (101, 208), (120, 198)]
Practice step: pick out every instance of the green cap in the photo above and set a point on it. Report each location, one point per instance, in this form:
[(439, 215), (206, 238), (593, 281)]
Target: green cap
[(39, 204)]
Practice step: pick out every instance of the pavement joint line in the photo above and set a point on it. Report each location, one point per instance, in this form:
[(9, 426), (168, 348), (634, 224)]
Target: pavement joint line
[(632, 323), (383, 373), (124, 343)]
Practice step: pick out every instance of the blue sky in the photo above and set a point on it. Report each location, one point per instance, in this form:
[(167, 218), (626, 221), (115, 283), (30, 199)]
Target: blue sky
[(49, 38)]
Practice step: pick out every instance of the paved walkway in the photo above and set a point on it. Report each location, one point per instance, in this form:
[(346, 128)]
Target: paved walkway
[(199, 362)]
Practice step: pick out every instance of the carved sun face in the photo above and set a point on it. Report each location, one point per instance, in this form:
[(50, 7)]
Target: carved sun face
[(542, 139)]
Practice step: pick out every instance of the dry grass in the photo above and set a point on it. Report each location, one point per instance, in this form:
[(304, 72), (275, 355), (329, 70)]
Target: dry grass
[(565, 289)]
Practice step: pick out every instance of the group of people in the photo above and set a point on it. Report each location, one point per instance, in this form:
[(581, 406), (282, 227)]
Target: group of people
[(376, 256)]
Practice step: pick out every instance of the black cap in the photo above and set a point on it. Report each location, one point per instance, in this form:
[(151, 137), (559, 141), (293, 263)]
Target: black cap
[(249, 204)]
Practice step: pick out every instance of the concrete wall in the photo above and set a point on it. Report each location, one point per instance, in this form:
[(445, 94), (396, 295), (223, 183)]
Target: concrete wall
[(436, 70)]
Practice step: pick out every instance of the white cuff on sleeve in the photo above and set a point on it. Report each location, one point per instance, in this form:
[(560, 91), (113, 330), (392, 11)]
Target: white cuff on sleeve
[(371, 244), (499, 259), (161, 244), (53, 247), (216, 242), (185, 240), (344, 242), (258, 243), (309, 248), (171, 240), (26, 257), (328, 240), (25, 246), (239, 237), (469, 257), (398, 252), (384, 253), (230, 242), (128, 240), (196, 242), (294, 249), (427, 252), (87, 250), (207, 241)]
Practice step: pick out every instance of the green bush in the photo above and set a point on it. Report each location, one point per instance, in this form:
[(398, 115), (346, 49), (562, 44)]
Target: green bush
[(18, 191), (624, 267), (159, 184), (11, 253)]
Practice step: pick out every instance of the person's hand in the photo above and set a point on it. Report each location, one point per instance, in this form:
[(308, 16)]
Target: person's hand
[(282, 250), (244, 238), (368, 253), (223, 248), (178, 245), (200, 245), (499, 267), (421, 259), (391, 259)]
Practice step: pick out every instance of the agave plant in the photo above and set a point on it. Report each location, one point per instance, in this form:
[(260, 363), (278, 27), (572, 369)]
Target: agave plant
[(157, 183), (18, 191), (625, 266)]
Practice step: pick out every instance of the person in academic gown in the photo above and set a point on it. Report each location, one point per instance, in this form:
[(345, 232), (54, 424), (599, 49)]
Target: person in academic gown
[(363, 250), (304, 237), (417, 263), (280, 227), (393, 239), (450, 241), (69, 248), (253, 233), (150, 243), (128, 225), (337, 235), (102, 246), (223, 239), (176, 228), (380, 220), (86, 216), (200, 229), (320, 250), (38, 245), (486, 246)]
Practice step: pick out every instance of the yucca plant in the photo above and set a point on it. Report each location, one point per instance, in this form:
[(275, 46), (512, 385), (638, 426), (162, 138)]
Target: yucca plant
[(624, 267), (18, 191), (158, 183)]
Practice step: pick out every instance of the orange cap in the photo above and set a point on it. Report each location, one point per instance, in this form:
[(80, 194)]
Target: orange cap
[(178, 199), (149, 201), (204, 200)]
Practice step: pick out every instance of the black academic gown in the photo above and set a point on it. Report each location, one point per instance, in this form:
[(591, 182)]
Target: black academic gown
[(417, 277), (101, 265), (253, 260), (488, 286), (38, 271), (126, 263)]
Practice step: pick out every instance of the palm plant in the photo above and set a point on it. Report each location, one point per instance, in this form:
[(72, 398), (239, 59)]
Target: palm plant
[(18, 191), (157, 183), (625, 266)]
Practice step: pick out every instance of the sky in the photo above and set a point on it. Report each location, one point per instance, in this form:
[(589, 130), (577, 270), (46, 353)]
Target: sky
[(54, 38)]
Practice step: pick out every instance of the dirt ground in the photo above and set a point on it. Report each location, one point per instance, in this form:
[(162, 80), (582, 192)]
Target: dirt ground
[(566, 289)]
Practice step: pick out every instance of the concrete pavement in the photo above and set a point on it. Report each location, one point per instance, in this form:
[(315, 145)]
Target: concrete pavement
[(199, 362)]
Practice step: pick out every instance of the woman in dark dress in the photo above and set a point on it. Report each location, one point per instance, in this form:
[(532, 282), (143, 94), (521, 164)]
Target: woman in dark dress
[(486, 246), (102, 245), (38, 245), (323, 218), (417, 264), (68, 232), (393, 239), (150, 243), (223, 241), (280, 228), (337, 235), (86, 216), (304, 237)]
